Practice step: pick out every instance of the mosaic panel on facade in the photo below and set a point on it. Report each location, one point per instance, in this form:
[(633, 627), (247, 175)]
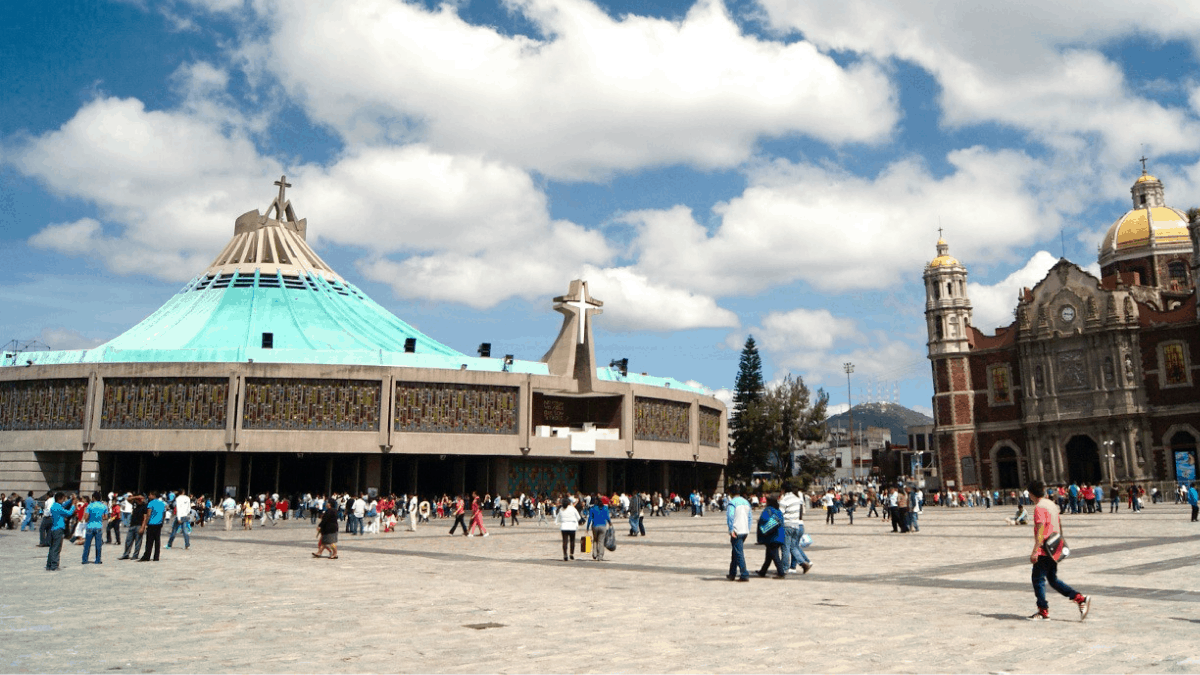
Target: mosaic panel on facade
[(43, 405), (542, 478), (710, 427), (1174, 364), (451, 408), (655, 419), (299, 404), (164, 403)]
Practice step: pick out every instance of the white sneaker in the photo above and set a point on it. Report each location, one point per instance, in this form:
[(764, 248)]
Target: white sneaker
[(487, 534), (470, 535)]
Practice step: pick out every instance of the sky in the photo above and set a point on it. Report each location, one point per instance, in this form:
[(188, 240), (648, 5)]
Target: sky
[(773, 168)]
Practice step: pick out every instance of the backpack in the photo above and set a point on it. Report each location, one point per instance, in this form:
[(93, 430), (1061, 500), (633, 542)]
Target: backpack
[(768, 529)]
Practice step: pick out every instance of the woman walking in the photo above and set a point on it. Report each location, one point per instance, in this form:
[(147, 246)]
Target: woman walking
[(771, 535), (598, 520), (568, 522), (327, 533), (476, 517)]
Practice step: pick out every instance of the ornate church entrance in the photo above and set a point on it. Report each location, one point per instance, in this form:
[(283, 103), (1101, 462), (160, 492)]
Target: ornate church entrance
[(1083, 460), (1008, 470)]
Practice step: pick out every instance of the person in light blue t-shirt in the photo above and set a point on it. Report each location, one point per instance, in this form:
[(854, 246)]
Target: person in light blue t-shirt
[(94, 517), (59, 510), (152, 525)]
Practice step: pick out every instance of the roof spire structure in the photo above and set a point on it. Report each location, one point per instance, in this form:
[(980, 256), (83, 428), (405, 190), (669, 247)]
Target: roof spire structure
[(281, 206)]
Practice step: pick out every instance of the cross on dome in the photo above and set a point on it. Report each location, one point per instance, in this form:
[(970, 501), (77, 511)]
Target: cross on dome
[(1143, 161), (580, 302), (281, 206)]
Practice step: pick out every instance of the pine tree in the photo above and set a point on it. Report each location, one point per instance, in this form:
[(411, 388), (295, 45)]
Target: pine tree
[(747, 390)]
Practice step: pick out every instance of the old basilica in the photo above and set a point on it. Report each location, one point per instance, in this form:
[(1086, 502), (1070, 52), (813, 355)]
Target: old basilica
[(1095, 381)]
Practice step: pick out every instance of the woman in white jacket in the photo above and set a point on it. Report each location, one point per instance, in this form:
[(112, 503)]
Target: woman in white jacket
[(568, 522)]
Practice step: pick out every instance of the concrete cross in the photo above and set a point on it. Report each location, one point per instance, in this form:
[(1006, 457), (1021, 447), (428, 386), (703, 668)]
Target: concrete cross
[(581, 307)]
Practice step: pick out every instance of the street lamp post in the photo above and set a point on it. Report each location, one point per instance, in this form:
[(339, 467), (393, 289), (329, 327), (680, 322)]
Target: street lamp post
[(849, 368)]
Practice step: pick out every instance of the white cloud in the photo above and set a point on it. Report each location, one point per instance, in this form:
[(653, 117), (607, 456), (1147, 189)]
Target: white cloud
[(842, 232), (595, 95), (172, 182), (634, 302), (1019, 64), (993, 305), (815, 344)]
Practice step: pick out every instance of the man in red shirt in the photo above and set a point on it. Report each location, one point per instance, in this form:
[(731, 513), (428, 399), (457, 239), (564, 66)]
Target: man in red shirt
[(1047, 551)]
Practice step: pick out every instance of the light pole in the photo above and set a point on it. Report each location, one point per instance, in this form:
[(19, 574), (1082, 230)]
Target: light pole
[(849, 368)]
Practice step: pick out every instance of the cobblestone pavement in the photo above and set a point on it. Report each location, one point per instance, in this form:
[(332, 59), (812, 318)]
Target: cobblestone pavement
[(952, 598)]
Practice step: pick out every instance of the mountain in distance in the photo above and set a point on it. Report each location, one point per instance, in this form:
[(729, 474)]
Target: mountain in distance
[(887, 415)]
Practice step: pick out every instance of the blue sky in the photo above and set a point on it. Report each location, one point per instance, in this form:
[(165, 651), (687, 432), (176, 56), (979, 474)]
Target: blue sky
[(766, 167)]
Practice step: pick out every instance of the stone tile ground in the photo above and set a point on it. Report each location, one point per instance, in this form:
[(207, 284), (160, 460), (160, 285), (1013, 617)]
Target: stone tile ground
[(950, 599)]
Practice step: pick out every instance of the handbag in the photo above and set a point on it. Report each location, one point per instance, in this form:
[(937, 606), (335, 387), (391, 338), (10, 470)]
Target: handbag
[(585, 544), (610, 539), (805, 540), (1052, 544)]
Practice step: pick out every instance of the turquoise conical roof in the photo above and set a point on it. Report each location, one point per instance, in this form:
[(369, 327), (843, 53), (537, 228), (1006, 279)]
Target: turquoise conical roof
[(270, 298)]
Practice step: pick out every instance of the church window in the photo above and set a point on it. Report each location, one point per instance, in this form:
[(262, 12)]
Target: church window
[(1039, 380), (968, 471), (937, 291), (953, 326), (1001, 391), (937, 322), (1177, 272), (961, 288), (950, 288), (1174, 364)]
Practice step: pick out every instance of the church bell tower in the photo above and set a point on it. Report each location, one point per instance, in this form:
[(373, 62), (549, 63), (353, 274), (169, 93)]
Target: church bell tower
[(948, 318)]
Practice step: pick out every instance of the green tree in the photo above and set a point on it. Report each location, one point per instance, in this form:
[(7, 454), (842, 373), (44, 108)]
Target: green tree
[(748, 389), (786, 415), (811, 469)]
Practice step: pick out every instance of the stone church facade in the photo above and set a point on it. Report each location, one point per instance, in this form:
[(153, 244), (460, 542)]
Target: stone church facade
[(1097, 380)]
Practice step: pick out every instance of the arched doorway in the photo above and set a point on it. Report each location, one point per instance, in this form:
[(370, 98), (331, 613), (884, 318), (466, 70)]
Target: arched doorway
[(1183, 456), (1083, 460), (1008, 469)]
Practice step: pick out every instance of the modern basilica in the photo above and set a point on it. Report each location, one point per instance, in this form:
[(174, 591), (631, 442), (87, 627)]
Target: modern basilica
[(1095, 381), (270, 372)]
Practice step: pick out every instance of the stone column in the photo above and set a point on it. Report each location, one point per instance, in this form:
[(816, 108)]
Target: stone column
[(1056, 460), (89, 471), (233, 471)]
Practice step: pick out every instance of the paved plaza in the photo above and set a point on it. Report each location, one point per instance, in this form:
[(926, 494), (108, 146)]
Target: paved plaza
[(952, 598)]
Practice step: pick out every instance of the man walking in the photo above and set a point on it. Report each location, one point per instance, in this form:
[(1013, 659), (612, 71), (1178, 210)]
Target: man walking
[(229, 508), (738, 522), (47, 522), (459, 516), (30, 507), (152, 524), (792, 507), (1194, 500), (1048, 548), (636, 505), (183, 520)]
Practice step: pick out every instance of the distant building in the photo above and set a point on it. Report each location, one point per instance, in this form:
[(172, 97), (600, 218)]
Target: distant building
[(851, 460), (1096, 379)]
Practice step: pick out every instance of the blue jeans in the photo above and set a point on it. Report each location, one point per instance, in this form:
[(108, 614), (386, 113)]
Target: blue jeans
[(180, 524), (793, 555), (737, 559), (55, 537), (912, 522), (28, 522), (44, 530), (96, 536), (635, 524), (1045, 569)]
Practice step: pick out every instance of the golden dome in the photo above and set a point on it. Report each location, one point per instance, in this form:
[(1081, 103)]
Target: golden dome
[(1145, 178), (1133, 230), (944, 261)]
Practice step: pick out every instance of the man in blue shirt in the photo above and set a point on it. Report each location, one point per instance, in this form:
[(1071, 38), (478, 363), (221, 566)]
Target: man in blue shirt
[(94, 518), (1194, 500), (58, 525), (30, 507), (152, 524)]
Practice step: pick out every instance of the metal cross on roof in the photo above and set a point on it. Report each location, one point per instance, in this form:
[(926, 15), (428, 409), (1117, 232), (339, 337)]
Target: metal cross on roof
[(1143, 161)]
